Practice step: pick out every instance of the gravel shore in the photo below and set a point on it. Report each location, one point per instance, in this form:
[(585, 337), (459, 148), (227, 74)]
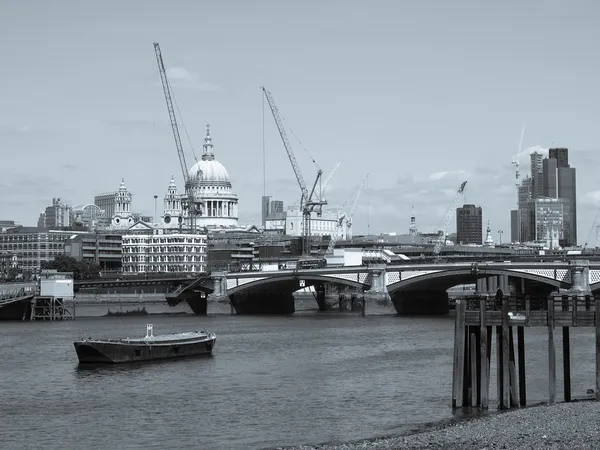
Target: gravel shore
[(562, 426)]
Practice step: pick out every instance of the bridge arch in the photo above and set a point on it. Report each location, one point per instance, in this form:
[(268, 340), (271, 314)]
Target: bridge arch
[(447, 278), (290, 283)]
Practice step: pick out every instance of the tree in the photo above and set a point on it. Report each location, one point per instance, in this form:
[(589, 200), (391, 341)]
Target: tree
[(82, 270)]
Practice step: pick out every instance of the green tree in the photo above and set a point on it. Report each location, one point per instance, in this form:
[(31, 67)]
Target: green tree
[(82, 270)]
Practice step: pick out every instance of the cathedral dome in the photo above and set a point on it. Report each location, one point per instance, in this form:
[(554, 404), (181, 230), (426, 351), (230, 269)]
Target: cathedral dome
[(211, 171)]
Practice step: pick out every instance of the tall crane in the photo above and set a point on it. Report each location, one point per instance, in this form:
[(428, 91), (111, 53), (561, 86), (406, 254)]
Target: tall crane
[(347, 218), (444, 231), (324, 184), (307, 201), (191, 203), (351, 215), (328, 178)]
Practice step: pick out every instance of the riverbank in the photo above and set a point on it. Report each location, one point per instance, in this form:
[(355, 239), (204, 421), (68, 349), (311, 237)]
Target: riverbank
[(561, 426)]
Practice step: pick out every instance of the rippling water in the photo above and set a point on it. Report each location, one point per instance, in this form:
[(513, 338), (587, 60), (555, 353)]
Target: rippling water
[(272, 381)]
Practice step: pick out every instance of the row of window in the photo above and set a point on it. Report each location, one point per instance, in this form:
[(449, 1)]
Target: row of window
[(33, 237), (177, 268), (167, 249), (169, 258), (40, 245), (162, 240)]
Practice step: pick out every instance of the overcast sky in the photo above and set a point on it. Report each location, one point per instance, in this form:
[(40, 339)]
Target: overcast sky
[(421, 95)]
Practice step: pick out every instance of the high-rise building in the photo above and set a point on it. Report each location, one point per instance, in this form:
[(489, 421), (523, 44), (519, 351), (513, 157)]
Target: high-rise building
[(469, 225), (561, 155), (537, 175), (549, 217), (561, 183), (514, 225), (551, 178)]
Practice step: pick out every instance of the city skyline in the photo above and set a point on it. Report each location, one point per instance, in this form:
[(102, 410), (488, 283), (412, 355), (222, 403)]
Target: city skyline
[(421, 97)]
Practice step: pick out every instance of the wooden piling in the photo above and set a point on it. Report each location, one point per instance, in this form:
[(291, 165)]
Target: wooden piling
[(597, 324), (473, 349), (499, 369), (566, 364), (521, 351), (483, 350), (514, 401), (505, 355), (459, 355), (551, 354), (467, 369)]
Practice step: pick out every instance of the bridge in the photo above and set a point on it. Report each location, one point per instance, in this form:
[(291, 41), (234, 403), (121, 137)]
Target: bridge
[(14, 297), (404, 288)]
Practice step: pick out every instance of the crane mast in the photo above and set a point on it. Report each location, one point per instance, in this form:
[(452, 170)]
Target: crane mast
[(444, 231), (193, 206), (307, 204), (348, 219)]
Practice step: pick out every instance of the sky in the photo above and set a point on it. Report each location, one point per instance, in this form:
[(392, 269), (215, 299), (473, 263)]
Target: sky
[(419, 95)]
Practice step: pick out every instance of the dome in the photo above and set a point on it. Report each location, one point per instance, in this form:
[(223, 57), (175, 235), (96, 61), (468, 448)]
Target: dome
[(212, 171)]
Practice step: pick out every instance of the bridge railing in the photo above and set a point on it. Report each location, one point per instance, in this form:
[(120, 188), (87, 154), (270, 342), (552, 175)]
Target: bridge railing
[(8, 295)]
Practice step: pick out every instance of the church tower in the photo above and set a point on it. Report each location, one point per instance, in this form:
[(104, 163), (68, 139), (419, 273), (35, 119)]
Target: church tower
[(122, 217), (173, 209)]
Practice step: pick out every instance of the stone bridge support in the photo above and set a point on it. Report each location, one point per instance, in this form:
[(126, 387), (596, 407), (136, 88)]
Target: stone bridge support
[(377, 300), (218, 302), (580, 277), (489, 285)]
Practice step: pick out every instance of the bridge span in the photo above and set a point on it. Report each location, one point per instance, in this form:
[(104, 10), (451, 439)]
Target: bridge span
[(404, 288), (377, 289)]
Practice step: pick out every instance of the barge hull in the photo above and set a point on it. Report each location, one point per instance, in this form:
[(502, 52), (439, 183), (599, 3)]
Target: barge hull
[(113, 353)]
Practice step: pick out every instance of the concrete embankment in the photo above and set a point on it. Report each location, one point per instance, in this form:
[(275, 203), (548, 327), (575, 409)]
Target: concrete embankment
[(561, 426), (97, 305)]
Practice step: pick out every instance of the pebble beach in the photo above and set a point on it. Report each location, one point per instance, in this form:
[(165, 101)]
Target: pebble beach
[(562, 426)]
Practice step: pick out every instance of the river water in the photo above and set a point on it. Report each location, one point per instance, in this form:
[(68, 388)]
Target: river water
[(273, 381)]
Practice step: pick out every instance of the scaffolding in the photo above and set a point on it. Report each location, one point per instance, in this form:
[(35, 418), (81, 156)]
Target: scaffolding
[(52, 308)]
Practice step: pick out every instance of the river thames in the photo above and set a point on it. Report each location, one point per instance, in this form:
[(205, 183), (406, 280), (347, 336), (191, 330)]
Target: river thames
[(273, 381)]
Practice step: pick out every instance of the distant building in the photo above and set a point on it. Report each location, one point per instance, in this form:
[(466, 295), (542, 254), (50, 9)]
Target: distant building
[(104, 249), (117, 208), (548, 218), (212, 184), (551, 178), (149, 249), (469, 225), (273, 215), (327, 224), (34, 246), (514, 225), (56, 216)]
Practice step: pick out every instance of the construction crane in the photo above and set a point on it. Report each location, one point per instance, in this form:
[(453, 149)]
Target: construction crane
[(328, 178), (307, 201), (191, 203), (515, 160), (323, 186), (444, 231), (347, 218), (351, 215)]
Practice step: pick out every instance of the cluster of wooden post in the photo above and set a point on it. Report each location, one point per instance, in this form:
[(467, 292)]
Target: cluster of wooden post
[(473, 344), (472, 357)]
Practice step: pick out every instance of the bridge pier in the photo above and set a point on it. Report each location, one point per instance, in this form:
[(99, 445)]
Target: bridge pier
[(580, 276), (377, 300), (218, 302), (489, 285)]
